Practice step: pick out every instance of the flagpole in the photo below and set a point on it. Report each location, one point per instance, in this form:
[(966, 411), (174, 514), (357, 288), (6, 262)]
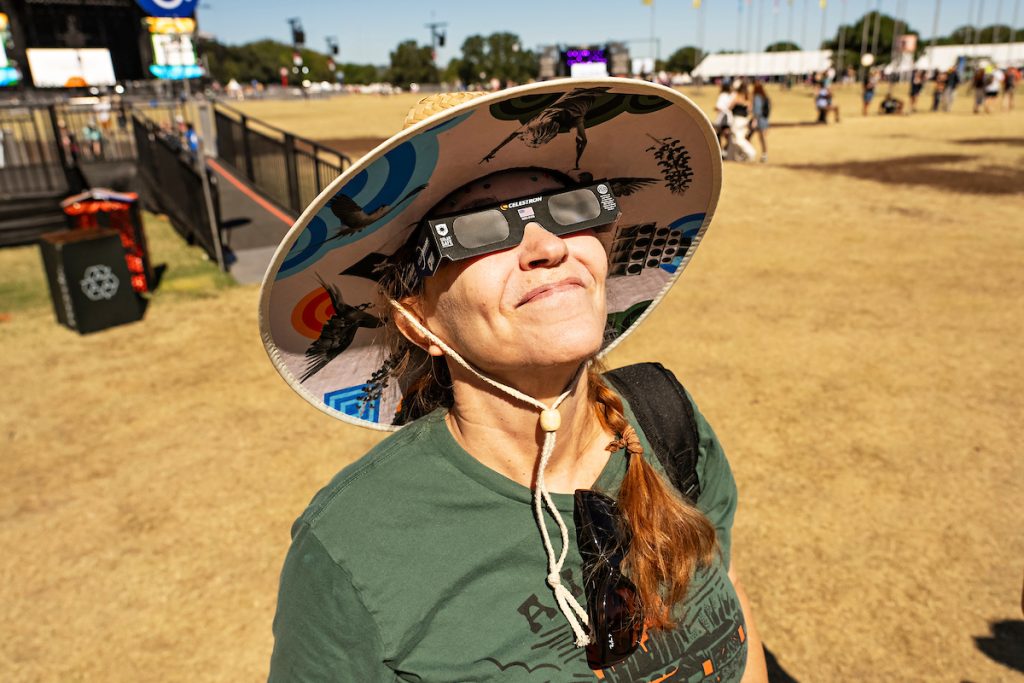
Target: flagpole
[(894, 48), (865, 22), (824, 14), (656, 55), (877, 29), (758, 45), (995, 24), (1013, 30), (969, 37), (700, 40), (841, 71), (981, 15), (803, 28), (935, 34), (790, 37)]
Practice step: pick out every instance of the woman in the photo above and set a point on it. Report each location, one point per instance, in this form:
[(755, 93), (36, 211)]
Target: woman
[(740, 107), (762, 111), (460, 280), (868, 89), (723, 117)]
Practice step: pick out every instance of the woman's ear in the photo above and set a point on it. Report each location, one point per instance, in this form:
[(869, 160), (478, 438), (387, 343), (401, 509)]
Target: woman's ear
[(409, 331)]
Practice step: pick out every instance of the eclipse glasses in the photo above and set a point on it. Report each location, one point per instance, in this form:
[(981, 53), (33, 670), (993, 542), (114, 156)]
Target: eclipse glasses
[(484, 231)]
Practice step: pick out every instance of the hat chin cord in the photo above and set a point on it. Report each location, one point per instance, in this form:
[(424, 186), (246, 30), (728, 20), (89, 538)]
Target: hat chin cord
[(550, 421)]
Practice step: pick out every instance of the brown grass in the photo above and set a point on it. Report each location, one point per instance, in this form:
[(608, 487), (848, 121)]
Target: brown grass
[(856, 343)]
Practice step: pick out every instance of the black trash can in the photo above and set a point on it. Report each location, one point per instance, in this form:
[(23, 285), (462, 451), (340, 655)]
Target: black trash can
[(90, 283)]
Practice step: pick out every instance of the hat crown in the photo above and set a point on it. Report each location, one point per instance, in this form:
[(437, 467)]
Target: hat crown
[(435, 104)]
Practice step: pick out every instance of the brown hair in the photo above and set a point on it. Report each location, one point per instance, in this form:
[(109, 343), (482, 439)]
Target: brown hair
[(670, 537)]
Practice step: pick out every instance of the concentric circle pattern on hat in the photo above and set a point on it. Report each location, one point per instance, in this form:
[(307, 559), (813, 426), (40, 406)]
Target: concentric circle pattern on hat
[(320, 312)]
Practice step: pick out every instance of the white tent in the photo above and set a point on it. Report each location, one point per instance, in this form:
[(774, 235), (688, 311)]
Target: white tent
[(763, 64), (945, 56)]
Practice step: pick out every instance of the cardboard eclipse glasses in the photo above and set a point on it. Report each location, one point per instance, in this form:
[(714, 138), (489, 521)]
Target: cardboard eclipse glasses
[(483, 231)]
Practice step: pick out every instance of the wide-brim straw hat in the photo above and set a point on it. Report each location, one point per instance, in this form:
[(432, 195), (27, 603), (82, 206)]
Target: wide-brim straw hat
[(320, 311)]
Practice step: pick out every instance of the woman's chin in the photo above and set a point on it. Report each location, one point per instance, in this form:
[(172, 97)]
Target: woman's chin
[(565, 349)]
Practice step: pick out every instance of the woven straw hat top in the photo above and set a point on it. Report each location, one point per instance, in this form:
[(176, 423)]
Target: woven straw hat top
[(320, 311)]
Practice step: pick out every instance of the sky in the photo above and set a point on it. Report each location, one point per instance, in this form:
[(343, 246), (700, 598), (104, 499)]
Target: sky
[(368, 30)]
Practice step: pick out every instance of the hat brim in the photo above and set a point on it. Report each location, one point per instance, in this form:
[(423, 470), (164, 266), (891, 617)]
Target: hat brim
[(654, 146)]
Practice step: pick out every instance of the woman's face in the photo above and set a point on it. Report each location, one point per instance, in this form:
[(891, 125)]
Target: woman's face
[(539, 304)]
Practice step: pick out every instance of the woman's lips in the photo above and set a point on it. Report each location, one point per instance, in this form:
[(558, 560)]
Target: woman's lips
[(549, 289)]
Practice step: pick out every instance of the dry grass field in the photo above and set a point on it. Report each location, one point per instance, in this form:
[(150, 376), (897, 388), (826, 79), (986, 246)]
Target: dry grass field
[(852, 327)]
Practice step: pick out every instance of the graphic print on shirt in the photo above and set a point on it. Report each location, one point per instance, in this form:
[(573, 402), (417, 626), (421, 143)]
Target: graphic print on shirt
[(709, 643)]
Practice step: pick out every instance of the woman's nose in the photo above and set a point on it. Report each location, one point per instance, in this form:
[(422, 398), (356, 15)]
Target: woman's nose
[(541, 248)]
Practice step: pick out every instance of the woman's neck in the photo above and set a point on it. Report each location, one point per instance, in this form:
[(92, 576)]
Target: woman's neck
[(504, 433)]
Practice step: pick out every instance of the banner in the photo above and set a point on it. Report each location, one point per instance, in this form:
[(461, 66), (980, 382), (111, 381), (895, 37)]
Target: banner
[(168, 8), (907, 42)]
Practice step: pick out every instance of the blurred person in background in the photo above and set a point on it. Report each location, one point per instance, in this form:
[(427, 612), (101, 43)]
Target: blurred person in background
[(949, 93), (823, 103), (979, 83), (867, 90), (762, 112), (994, 78), (890, 105), (723, 115), (1010, 85), (940, 87), (916, 85), (740, 108)]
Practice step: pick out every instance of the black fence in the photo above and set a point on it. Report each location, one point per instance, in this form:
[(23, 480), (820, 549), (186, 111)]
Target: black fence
[(102, 131), (289, 169), (30, 160), (172, 184), (43, 147)]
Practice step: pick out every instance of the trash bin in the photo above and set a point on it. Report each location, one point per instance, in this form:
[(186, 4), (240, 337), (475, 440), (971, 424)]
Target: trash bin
[(103, 208), (90, 283)]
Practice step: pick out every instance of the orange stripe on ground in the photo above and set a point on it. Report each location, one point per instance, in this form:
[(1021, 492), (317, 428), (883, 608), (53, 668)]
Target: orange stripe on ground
[(247, 191)]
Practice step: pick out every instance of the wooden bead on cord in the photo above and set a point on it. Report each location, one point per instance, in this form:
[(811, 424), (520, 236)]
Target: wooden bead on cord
[(550, 420)]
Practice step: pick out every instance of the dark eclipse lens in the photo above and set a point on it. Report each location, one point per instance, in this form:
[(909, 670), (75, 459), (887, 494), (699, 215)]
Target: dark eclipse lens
[(480, 229), (574, 207)]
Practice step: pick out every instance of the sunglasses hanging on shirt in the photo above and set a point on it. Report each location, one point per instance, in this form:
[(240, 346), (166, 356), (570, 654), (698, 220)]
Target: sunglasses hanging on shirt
[(614, 608), (487, 230)]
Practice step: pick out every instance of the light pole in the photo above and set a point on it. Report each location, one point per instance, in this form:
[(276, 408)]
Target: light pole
[(438, 37), (298, 42)]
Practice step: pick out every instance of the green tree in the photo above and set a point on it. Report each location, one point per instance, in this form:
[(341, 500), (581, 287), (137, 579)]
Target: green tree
[(262, 61), (683, 60), (499, 55), (782, 46), (361, 74), (411, 63), (886, 36), (996, 33)]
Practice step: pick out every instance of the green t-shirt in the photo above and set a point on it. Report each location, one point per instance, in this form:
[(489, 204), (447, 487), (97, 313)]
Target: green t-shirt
[(420, 563)]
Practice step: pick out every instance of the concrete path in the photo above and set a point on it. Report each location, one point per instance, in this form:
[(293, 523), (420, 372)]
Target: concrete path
[(252, 225)]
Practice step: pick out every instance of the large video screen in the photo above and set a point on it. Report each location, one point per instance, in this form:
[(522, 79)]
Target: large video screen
[(173, 50), (68, 68)]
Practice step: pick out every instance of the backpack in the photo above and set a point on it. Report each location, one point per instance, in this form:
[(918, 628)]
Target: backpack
[(766, 107), (665, 414)]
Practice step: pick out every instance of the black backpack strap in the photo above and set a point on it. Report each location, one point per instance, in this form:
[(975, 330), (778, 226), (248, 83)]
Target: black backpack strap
[(666, 417)]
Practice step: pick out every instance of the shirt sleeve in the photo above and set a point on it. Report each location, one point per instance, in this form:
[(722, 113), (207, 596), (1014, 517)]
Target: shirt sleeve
[(718, 494), (322, 629)]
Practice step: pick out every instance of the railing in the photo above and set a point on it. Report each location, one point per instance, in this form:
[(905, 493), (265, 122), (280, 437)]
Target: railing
[(30, 161), (289, 169), (173, 185), (44, 146)]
